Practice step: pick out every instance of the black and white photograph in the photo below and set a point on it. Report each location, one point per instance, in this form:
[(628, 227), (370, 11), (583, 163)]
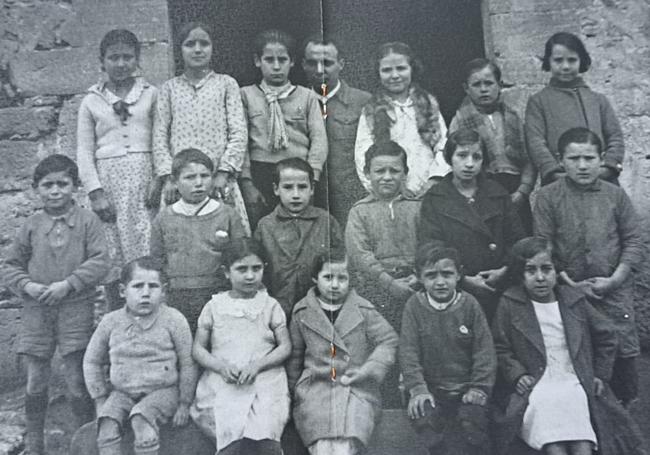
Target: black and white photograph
[(324, 227)]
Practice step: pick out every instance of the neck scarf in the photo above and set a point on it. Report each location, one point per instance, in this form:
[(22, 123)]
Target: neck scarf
[(278, 139)]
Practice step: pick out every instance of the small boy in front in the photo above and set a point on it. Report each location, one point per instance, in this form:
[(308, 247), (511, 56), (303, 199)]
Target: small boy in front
[(294, 233), (596, 238), (148, 349), (188, 237), (447, 357), (54, 264)]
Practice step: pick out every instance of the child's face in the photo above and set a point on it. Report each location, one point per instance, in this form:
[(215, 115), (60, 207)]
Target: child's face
[(540, 277), (386, 175), (333, 282), (55, 191), (275, 64), (564, 63), (197, 49), (466, 162), (440, 280), (143, 293), (294, 190), (194, 183), (582, 163), (245, 276), (482, 88), (120, 62), (395, 74)]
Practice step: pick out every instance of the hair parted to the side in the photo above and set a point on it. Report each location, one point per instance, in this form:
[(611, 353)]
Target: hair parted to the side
[(319, 38), (187, 156), (522, 251), (56, 163), (387, 148), (144, 263), (119, 36), (578, 135), (464, 136), (432, 252), (335, 254), (240, 248), (571, 42), (293, 163), (274, 36), (479, 64)]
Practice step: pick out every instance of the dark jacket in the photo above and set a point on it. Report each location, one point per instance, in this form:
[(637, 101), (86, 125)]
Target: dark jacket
[(482, 232), (520, 350)]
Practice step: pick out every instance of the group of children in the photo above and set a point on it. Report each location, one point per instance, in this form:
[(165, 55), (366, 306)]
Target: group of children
[(239, 332)]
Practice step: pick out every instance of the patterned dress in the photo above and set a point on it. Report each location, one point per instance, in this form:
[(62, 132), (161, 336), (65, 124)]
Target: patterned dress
[(242, 331), (208, 116)]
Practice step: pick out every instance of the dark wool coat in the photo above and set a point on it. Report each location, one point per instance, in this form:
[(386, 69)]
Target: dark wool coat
[(592, 344)]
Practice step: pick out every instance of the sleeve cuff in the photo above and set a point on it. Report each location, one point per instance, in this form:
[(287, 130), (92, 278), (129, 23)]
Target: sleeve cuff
[(420, 389), (76, 284)]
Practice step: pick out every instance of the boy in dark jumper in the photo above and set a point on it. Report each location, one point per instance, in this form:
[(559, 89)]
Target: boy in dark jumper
[(294, 233), (447, 357)]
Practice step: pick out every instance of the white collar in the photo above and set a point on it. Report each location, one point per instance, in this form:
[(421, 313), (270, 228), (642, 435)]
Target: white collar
[(329, 306), (185, 208), (330, 94), (440, 306)]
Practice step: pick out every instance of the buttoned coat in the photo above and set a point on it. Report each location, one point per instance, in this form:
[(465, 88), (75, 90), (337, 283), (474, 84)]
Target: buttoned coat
[(519, 344), (363, 340), (482, 231)]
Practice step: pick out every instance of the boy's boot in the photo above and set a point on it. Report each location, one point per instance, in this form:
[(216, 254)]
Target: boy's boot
[(35, 409), (146, 448), (83, 409), (114, 448)]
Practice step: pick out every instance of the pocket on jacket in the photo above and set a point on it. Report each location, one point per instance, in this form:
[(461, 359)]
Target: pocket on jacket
[(343, 127)]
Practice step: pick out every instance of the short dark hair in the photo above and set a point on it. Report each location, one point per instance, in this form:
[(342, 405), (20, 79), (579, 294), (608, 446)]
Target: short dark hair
[(478, 64), (319, 38), (293, 163), (522, 251), (274, 36), (119, 36), (56, 163), (239, 248), (187, 28), (432, 252), (187, 156), (578, 135), (334, 254), (144, 263), (385, 148), (464, 136), (571, 42)]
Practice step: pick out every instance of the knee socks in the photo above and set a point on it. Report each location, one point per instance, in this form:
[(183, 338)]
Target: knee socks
[(35, 410)]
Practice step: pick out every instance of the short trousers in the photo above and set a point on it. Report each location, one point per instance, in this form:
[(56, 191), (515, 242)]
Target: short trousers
[(67, 325), (156, 407)]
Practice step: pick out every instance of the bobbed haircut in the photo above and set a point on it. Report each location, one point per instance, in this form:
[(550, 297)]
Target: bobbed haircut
[(571, 42), (187, 156), (240, 248), (336, 254), (293, 163), (56, 163), (144, 263), (385, 148), (274, 36), (464, 136), (578, 135), (119, 36), (398, 47), (478, 64), (432, 252), (522, 251)]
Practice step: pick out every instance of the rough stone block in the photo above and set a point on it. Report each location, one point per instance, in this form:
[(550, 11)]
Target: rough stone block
[(66, 132), (9, 365), (27, 122), (18, 159)]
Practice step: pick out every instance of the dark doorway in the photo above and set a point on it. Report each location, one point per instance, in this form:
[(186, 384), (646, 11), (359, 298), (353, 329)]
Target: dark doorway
[(444, 33)]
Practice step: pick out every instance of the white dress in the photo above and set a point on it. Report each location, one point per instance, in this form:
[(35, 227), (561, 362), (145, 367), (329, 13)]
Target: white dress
[(242, 330), (557, 406)]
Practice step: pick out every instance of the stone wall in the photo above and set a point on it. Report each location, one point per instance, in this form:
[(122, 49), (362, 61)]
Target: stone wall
[(617, 36), (48, 58)]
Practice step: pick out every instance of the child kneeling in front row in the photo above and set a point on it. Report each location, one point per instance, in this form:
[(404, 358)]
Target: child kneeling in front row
[(54, 263), (148, 348), (447, 357), (342, 349)]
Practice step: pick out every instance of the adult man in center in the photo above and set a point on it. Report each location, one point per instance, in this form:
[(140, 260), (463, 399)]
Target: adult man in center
[(341, 106)]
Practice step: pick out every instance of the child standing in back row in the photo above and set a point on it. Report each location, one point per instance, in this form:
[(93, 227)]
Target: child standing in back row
[(284, 121), (54, 264), (596, 238), (189, 236)]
